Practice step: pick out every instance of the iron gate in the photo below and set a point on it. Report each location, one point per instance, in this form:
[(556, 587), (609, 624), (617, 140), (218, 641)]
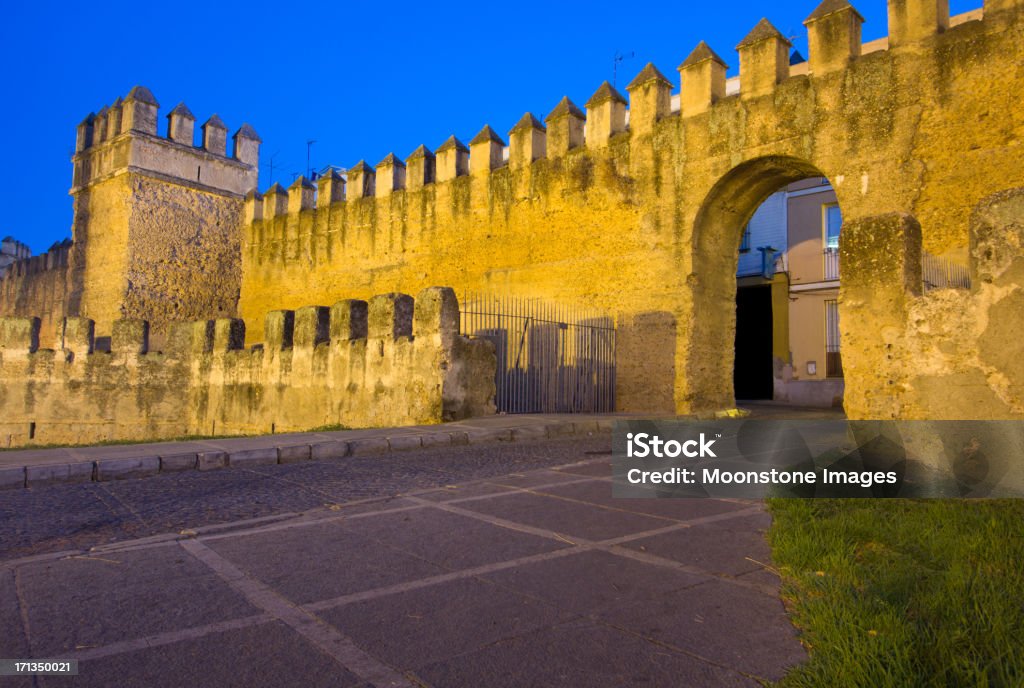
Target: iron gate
[(551, 358)]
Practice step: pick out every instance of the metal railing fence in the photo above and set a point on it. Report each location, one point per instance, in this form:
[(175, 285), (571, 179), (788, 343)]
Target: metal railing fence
[(551, 358)]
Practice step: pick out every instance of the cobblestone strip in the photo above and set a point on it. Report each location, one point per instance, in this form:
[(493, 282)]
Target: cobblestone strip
[(326, 637), (144, 465)]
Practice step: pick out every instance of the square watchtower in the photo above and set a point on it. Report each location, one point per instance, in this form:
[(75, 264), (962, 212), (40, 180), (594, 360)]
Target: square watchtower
[(157, 219)]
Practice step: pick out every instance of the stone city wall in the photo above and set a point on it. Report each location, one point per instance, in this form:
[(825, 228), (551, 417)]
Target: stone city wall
[(638, 211), (39, 285), (388, 361), (947, 354)]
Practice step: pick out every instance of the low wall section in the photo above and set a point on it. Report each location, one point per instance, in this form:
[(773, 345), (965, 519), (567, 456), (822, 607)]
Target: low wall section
[(387, 361)]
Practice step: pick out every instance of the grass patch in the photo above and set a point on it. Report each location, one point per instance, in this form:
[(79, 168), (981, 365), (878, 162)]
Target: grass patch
[(904, 592)]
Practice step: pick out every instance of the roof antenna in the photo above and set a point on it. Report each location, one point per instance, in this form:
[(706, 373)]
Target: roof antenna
[(619, 57), (309, 147)]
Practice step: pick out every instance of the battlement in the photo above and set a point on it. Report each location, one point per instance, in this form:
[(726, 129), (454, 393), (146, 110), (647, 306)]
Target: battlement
[(11, 252), (123, 136), (55, 257), (385, 361), (834, 37)]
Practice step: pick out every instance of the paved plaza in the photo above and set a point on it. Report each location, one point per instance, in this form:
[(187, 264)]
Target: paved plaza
[(502, 564)]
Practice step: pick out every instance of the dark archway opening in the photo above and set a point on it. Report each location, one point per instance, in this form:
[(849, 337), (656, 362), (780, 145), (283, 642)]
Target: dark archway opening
[(752, 374)]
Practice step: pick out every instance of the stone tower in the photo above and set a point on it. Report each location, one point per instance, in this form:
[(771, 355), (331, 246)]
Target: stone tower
[(157, 218)]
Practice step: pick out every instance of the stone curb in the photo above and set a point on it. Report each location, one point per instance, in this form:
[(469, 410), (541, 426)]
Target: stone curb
[(144, 466)]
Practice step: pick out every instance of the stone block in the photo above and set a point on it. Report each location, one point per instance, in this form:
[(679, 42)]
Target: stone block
[(228, 335), (369, 446), (348, 320), (211, 460), (129, 337), (252, 457), (19, 334), (279, 330), (37, 476), (459, 438), (12, 478), (178, 462), (436, 439), (122, 469), (405, 442), (311, 326), (330, 450), (389, 316), (481, 435), (560, 429), (436, 311), (294, 454), (529, 432), (78, 335)]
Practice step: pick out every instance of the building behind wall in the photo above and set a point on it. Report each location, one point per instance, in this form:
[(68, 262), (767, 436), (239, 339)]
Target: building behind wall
[(11, 251), (814, 374), (791, 247)]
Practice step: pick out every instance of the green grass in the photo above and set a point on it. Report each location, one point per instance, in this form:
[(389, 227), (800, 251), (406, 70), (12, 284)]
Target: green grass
[(904, 592)]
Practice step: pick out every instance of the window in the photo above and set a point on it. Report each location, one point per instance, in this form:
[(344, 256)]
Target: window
[(833, 359), (833, 220), (745, 241)]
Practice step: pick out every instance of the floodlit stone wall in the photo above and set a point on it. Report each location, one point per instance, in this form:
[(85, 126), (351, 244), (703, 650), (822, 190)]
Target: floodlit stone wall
[(632, 205), (641, 216), (389, 361)]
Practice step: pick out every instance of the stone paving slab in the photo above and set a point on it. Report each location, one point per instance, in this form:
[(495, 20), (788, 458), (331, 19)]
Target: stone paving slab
[(268, 655), (581, 654), (420, 627), (457, 584), (87, 601)]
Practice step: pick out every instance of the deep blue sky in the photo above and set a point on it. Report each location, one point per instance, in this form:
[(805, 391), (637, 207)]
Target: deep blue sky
[(362, 78)]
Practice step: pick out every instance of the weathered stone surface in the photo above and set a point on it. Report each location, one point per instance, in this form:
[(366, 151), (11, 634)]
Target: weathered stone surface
[(405, 442), (641, 221), (436, 439), (252, 457), (369, 446), (37, 476), (122, 469), (211, 460), (178, 462), (293, 454), (330, 450), (531, 432), (487, 435), (207, 384), (11, 478)]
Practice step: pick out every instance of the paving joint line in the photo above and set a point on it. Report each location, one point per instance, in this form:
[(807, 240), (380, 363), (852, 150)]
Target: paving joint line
[(610, 545), (613, 547), (327, 638)]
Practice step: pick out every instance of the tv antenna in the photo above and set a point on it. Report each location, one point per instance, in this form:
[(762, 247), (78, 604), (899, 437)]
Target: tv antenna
[(309, 148), (271, 166), (619, 57)]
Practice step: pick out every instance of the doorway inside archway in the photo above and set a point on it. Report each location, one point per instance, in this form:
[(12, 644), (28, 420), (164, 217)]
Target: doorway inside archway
[(787, 345)]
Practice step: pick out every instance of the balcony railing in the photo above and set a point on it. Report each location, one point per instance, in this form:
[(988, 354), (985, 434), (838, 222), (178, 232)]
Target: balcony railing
[(831, 264)]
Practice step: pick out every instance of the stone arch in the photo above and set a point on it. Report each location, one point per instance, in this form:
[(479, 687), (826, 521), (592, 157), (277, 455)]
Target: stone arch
[(708, 359)]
